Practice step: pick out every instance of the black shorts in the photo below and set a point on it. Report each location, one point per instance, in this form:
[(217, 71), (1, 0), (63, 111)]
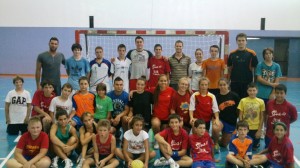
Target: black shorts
[(13, 129)]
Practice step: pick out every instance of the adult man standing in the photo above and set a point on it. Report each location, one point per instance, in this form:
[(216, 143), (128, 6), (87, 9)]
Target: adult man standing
[(179, 63), (241, 66), (49, 63), (139, 61)]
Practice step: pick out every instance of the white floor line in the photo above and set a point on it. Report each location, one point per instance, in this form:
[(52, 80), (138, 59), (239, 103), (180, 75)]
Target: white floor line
[(10, 153), (297, 160), (7, 157), (17, 139)]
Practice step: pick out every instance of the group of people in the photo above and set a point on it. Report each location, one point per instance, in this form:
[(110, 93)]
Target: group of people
[(172, 110)]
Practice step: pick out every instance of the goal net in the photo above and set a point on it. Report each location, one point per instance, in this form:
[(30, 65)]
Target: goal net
[(192, 39)]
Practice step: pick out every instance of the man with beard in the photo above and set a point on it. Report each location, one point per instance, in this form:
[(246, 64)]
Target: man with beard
[(49, 62)]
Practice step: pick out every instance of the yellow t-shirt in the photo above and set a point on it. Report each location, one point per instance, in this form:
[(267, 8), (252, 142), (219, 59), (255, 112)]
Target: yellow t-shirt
[(252, 109)]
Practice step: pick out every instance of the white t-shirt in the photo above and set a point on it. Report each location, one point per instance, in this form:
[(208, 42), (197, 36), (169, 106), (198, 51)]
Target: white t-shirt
[(121, 69), (18, 105), (195, 72), (136, 143), (139, 63), (58, 103)]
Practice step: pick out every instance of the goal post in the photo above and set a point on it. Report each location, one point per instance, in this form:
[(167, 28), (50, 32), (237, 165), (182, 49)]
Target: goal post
[(192, 39)]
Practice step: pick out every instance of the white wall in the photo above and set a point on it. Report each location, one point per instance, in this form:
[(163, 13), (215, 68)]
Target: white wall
[(152, 14)]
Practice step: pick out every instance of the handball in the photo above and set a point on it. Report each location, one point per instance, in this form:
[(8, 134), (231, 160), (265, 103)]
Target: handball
[(137, 164)]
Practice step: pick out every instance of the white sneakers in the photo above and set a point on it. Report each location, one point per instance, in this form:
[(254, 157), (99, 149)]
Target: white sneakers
[(161, 162), (68, 163), (54, 162)]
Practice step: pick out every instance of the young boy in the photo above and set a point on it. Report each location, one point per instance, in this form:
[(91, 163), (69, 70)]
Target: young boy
[(241, 65), (41, 101), (104, 105), (173, 144), (157, 66), (76, 67), (213, 69), (120, 67), (83, 101), (240, 147), (100, 70), (279, 110), (251, 109), (104, 145), (61, 102), (120, 107), (201, 146), (17, 108), (32, 147)]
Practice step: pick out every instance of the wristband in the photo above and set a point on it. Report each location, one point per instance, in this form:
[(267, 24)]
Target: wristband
[(175, 154)]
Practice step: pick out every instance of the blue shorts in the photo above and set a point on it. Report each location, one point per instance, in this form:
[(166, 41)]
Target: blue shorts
[(228, 128), (27, 157), (78, 121), (274, 164), (203, 164)]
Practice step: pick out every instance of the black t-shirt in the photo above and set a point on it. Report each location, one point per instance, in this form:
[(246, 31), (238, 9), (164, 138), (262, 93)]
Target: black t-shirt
[(228, 107), (242, 62), (141, 104)]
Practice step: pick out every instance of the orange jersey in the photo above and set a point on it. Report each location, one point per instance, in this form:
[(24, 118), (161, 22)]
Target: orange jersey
[(214, 71), (83, 103)]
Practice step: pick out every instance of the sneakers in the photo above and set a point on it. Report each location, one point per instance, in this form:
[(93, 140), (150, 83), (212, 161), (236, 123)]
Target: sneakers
[(217, 148), (79, 165), (68, 163), (258, 166), (161, 162), (174, 165), (54, 162)]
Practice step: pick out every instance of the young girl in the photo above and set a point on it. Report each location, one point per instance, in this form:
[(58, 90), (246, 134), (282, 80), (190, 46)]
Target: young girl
[(86, 132), (64, 138), (195, 70), (203, 105), (136, 145), (104, 104), (61, 102), (104, 146), (180, 103), (140, 103), (162, 96), (227, 102), (280, 152)]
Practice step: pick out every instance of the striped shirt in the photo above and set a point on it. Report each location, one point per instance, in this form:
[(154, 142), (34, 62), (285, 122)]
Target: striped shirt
[(179, 68)]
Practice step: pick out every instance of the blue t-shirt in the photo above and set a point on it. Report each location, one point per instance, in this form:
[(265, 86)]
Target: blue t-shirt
[(269, 73), (119, 102), (76, 69)]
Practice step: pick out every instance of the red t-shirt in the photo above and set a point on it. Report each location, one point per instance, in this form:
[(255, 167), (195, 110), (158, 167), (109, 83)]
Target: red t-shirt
[(41, 101), (284, 112), (157, 67), (161, 110), (104, 148), (32, 147), (281, 153), (177, 142), (201, 147), (180, 103)]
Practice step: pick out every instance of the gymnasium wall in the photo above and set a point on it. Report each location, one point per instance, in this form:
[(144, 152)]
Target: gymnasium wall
[(26, 26)]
